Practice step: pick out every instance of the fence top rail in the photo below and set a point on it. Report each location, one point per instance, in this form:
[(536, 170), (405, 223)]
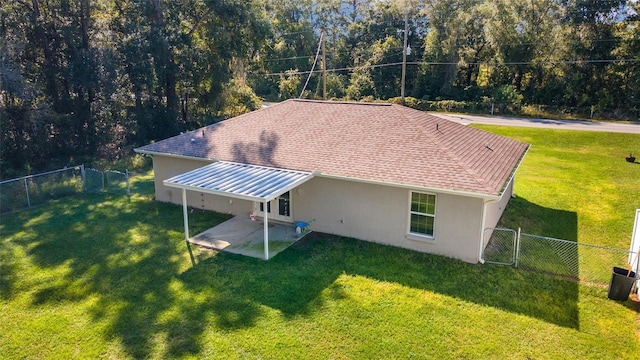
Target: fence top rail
[(499, 228), (77, 167), (578, 243), (115, 171)]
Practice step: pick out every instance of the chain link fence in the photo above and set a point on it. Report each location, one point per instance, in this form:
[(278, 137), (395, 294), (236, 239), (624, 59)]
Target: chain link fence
[(28, 191), (583, 262), (569, 259), (93, 181)]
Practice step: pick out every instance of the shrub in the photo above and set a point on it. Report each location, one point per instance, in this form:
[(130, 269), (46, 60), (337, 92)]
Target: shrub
[(289, 84), (238, 99), (507, 98)]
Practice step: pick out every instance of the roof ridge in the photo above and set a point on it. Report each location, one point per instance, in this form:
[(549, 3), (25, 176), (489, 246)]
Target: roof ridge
[(409, 113), (343, 102)]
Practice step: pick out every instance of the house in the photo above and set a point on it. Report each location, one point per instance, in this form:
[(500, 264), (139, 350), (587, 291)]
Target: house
[(374, 171)]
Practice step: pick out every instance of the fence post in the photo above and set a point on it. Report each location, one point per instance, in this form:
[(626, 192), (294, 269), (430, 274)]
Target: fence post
[(26, 190), (126, 171), (637, 282), (517, 248), (84, 178), (106, 177)]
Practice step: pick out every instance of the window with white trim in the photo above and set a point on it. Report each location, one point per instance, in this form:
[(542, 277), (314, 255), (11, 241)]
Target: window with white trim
[(422, 214)]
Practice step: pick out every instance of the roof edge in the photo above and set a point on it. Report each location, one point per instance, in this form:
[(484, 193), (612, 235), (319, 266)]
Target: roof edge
[(346, 178), (515, 169), (342, 102), (411, 114), (413, 187), (177, 156)]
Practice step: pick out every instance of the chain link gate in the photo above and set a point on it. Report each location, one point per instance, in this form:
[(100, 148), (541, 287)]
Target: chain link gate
[(94, 181), (501, 246), (117, 182)]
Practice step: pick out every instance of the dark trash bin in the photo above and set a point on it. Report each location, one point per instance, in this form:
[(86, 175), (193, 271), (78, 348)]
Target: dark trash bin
[(621, 283)]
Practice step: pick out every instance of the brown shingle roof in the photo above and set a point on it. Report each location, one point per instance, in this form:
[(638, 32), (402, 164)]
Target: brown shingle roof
[(375, 142)]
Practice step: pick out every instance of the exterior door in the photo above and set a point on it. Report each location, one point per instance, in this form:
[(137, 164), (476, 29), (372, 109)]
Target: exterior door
[(277, 209)]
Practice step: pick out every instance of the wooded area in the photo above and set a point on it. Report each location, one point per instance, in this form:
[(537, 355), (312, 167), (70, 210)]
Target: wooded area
[(93, 78)]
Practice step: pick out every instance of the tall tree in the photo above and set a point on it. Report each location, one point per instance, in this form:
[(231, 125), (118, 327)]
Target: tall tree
[(290, 47), (445, 43), (592, 38)]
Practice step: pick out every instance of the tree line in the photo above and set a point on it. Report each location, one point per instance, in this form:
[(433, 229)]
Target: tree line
[(93, 78)]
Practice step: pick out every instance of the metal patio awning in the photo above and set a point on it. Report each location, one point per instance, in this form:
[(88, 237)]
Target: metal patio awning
[(240, 181)]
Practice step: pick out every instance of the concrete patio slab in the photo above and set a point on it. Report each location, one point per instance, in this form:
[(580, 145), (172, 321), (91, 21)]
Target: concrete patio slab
[(240, 235)]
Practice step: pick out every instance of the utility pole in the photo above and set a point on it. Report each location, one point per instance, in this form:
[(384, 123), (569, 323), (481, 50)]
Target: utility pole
[(324, 71), (404, 54)]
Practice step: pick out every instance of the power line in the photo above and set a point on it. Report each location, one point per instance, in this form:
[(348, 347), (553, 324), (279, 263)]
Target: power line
[(332, 53), (329, 70), (288, 58), (547, 62), (295, 33), (456, 46), (550, 62)]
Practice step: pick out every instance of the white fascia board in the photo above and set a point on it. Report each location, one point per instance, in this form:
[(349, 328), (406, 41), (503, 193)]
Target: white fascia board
[(365, 181), (515, 170), (177, 156)]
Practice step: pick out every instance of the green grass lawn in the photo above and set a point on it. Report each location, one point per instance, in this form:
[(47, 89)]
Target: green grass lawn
[(575, 185), (102, 277)]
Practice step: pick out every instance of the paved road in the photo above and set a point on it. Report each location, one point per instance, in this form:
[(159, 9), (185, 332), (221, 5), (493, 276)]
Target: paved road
[(632, 128)]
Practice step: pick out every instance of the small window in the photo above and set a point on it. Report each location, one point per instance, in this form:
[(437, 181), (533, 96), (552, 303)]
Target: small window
[(268, 207), (284, 204), (422, 214)]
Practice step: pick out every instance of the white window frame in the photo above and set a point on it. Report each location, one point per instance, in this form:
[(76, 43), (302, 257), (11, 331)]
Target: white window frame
[(420, 236)]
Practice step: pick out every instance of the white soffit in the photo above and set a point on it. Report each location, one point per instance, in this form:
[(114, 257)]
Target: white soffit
[(241, 181)]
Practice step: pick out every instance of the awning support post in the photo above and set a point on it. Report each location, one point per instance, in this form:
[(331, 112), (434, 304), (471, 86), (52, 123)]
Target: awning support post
[(266, 230), (185, 214)]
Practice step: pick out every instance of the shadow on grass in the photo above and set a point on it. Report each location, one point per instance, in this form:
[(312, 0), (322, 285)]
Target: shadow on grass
[(536, 219), (122, 252), (142, 185), (128, 264), (292, 281), (8, 269), (541, 252)]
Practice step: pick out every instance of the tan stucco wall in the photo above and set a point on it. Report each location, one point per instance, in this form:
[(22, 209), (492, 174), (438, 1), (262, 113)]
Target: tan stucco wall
[(493, 213), (381, 214), (166, 167), (364, 211), (496, 208)]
